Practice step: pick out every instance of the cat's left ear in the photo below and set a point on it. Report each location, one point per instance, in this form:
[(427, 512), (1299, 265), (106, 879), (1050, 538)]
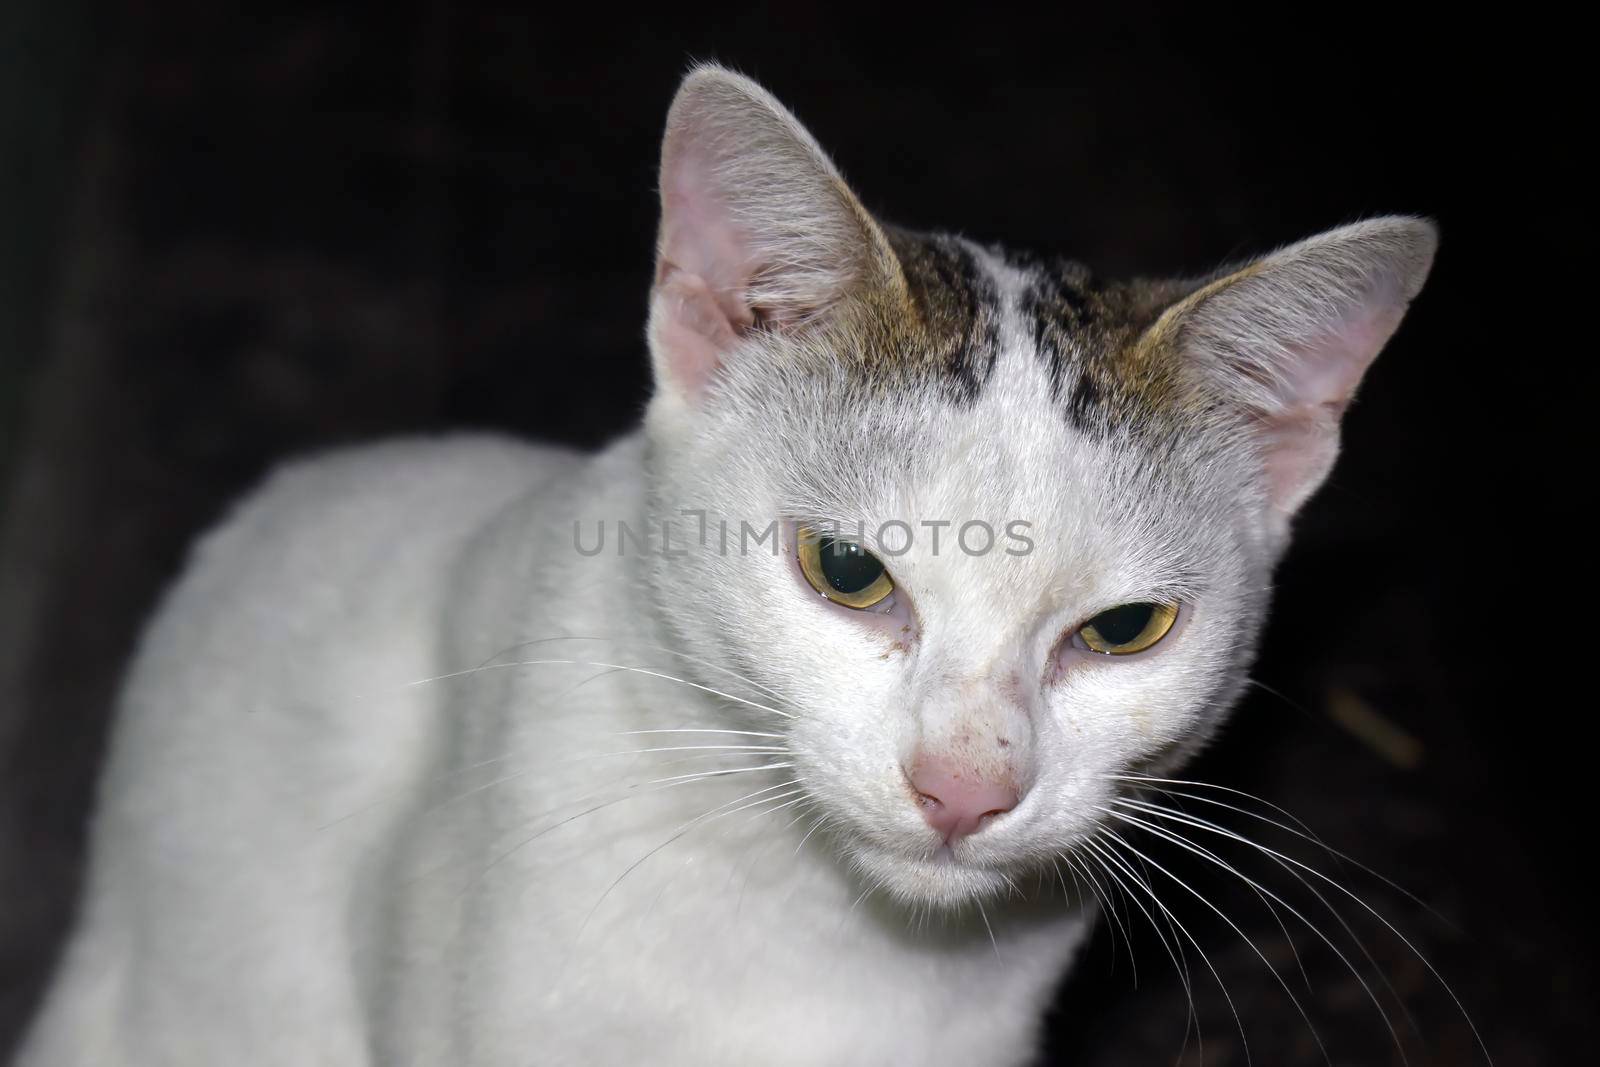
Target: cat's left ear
[(758, 230), (1289, 337)]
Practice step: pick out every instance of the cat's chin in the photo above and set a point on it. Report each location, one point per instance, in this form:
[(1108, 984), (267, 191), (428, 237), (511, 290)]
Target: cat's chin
[(941, 881)]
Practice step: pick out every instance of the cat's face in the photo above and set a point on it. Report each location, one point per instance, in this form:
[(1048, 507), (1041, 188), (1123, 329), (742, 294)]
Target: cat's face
[(1048, 509)]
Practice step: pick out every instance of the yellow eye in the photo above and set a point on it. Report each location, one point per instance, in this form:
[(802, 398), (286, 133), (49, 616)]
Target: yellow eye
[(842, 571), (1130, 628)]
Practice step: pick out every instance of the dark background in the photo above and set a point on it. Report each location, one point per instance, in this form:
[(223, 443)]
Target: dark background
[(232, 238)]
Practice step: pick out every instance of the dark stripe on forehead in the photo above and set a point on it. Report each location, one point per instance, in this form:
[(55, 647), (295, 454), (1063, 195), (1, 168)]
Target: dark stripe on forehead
[(941, 330), (1059, 306), (955, 330), (1084, 331)]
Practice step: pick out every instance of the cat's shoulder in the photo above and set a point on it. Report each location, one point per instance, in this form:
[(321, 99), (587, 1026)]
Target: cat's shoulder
[(441, 470), (424, 482), (344, 531)]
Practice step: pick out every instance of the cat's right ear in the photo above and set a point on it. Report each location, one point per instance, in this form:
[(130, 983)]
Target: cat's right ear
[(758, 231), (1287, 338)]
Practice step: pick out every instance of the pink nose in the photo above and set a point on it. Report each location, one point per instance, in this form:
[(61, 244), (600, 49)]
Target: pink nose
[(955, 802)]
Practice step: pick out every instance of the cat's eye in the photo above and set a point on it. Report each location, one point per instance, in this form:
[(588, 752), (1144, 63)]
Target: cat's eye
[(842, 570), (1128, 628)]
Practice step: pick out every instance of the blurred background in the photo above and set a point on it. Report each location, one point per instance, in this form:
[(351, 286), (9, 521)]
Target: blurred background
[(232, 238)]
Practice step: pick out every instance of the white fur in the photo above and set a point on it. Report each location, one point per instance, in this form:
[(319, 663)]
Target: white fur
[(270, 886), (326, 837)]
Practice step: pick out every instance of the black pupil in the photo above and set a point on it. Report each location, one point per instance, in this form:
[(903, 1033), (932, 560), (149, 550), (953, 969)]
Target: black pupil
[(848, 567), (1121, 626)]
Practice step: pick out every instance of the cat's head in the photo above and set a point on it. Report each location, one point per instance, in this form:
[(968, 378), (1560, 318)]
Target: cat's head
[(1058, 501)]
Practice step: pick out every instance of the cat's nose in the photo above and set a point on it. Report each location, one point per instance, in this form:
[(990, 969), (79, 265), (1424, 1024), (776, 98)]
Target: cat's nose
[(955, 801)]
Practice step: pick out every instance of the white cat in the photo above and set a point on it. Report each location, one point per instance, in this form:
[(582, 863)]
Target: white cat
[(929, 552)]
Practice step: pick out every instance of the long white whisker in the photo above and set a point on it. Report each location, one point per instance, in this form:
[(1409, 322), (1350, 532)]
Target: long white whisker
[(1289, 865), (1305, 834), (698, 730), (640, 644), (666, 783), (1055, 862), (1265, 688), (1105, 898), (1482, 1046), (615, 783), (391, 793), (1211, 857), (772, 811), (865, 893), (718, 812), (984, 915), (1294, 949), (677, 748), (814, 828), (1305, 831), (1234, 926), (1227, 997), (805, 803), (592, 663), (801, 814), (1183, 971), (715, 813)]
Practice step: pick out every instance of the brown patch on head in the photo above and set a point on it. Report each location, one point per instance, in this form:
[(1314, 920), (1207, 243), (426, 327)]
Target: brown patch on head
[(930, 313), (1105, 366)]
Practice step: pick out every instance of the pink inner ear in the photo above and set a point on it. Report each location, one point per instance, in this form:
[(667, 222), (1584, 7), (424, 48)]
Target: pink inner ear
[(1325, 373), (703, 273), (1300, 448), (1316, 383), (699, 236), (695, 329)]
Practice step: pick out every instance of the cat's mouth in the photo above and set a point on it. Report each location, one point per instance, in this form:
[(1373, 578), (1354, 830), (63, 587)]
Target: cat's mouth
[(941, 878)]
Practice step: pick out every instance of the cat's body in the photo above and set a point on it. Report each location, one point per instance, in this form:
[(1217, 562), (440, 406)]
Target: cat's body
[(302, 858), (354, 925)]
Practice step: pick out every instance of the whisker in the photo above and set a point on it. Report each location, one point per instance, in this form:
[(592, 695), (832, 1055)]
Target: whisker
[(717, 812), (1144, 882), (1106, 900), (1183, 974), (434, 809), (468, 671), (697, 730), (1277, 919), (855, 903), (1227, 997), (640, 644), (669, 783), (1293, 704), (814, 828), (773, 811), (1211, 857), (1182, 969), (1289, 863), (769, 749), (804, 803), (391, 793), (984, 915), (1055, 862), (1235, 927), (1305, 833), (644, 789), (800, 815)]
